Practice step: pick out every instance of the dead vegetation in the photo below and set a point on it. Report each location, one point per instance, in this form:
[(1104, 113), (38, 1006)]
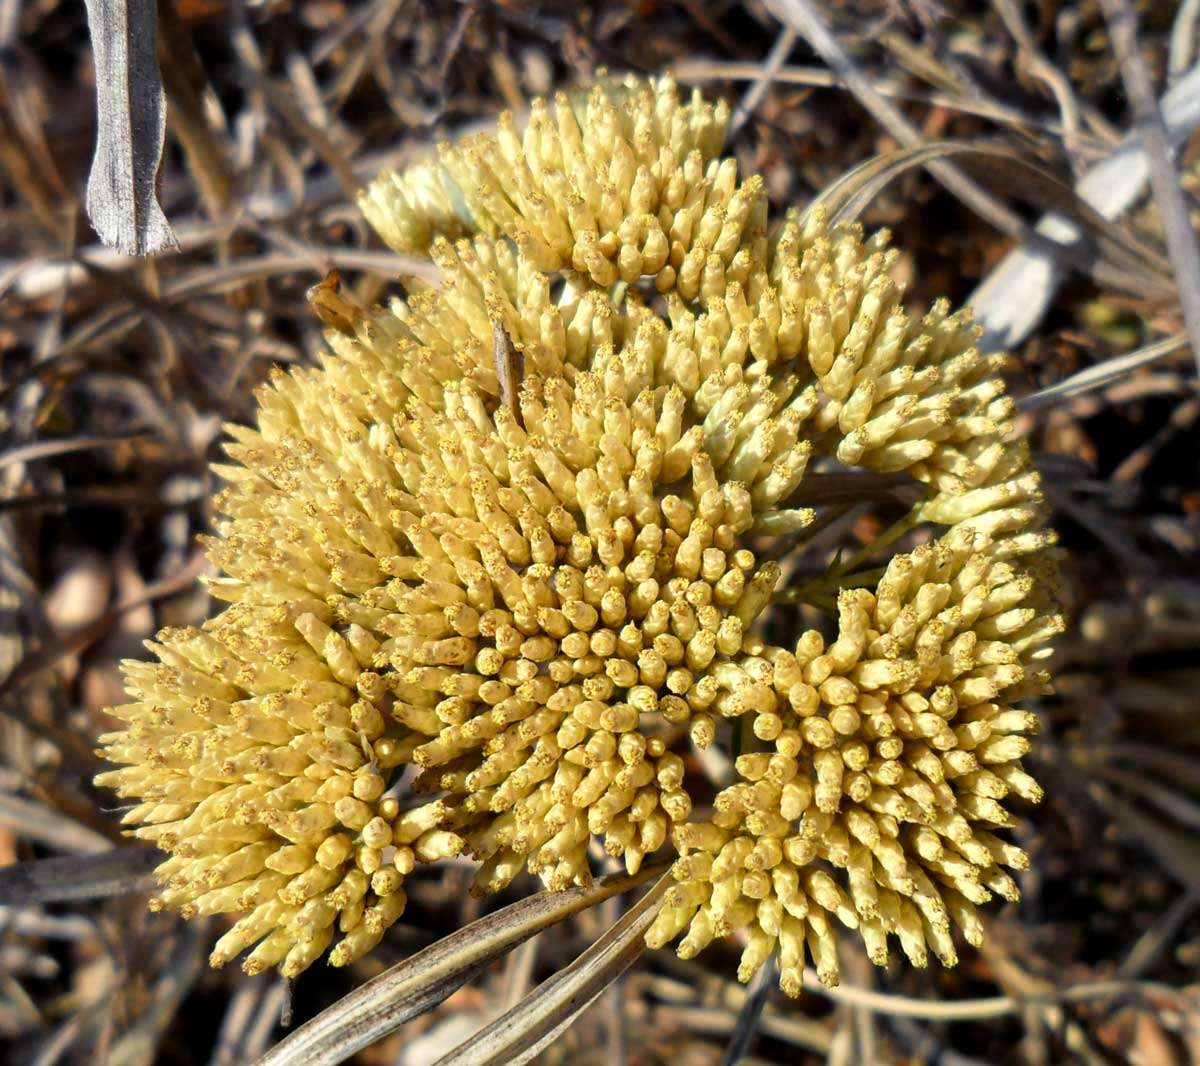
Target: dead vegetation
[(116, 374)]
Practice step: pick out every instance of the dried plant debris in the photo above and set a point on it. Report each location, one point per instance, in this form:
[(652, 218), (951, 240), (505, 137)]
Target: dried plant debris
[(576, 305)]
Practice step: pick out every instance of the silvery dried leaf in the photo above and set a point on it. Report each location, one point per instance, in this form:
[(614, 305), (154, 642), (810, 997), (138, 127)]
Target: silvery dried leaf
[(424, 980), (70, 877), (1013, 298), (130, 124)]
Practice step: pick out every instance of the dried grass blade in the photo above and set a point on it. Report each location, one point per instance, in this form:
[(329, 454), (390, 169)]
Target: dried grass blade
[(1177, 849), (750, 1016), (845, 198), (1182, 245), (110, 873), (1011, 300), (517, 1036), (20, 604), (1124, 260), (420, 983), (46, 656), (1095, 377), (130, 124), (803, 16), (35, 820), (45, 449)]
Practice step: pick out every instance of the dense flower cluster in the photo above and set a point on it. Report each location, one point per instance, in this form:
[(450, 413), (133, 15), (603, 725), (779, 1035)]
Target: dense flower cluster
[(516, 533), (888, 752)]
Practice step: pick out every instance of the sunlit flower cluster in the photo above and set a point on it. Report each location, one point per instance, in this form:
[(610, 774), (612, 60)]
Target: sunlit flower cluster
[(505, 559), (887, 753)]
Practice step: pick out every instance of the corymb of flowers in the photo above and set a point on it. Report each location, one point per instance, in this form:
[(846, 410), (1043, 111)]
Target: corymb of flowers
[(517, 548)]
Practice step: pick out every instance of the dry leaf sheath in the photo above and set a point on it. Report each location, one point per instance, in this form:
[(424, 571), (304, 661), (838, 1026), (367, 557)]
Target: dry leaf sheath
[(540, 607), (122, 200)]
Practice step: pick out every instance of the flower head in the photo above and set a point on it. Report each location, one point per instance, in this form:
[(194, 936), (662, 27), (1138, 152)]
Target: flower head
[(521, 533), (885, 762)]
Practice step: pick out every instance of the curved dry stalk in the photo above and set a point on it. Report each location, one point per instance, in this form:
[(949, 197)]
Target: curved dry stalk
[(707, 70), (804, 17), (517, 1036), (110, 873), (1148, 124), (1014, 296), (421, 982), (972, 1010), (1095, 377), (1124, 260)]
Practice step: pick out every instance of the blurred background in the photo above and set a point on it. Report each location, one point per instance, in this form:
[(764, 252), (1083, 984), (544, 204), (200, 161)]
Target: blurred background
[(117, 373)]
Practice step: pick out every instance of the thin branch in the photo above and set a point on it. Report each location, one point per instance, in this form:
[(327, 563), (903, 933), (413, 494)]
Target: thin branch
[(802, 16), (110, 873), (1013, 298), (762, 81), (973, 1010), (78, 639), (1040, 67), (750, 1015), (703, 70), (1095, 377), (1158, 937)]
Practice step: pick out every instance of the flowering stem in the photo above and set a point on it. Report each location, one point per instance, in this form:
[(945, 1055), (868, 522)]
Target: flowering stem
[(817, 593), (822, 592), (893, 533)]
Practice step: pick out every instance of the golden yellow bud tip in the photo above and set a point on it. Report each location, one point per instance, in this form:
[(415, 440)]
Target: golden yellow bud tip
[(537, 578)]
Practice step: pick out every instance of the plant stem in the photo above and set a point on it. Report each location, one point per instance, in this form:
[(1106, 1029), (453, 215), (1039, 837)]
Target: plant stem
[(888, 536)]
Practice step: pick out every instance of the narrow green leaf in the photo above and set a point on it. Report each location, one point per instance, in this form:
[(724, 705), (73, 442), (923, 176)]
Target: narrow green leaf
[(421, 982), (519, 1035)]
